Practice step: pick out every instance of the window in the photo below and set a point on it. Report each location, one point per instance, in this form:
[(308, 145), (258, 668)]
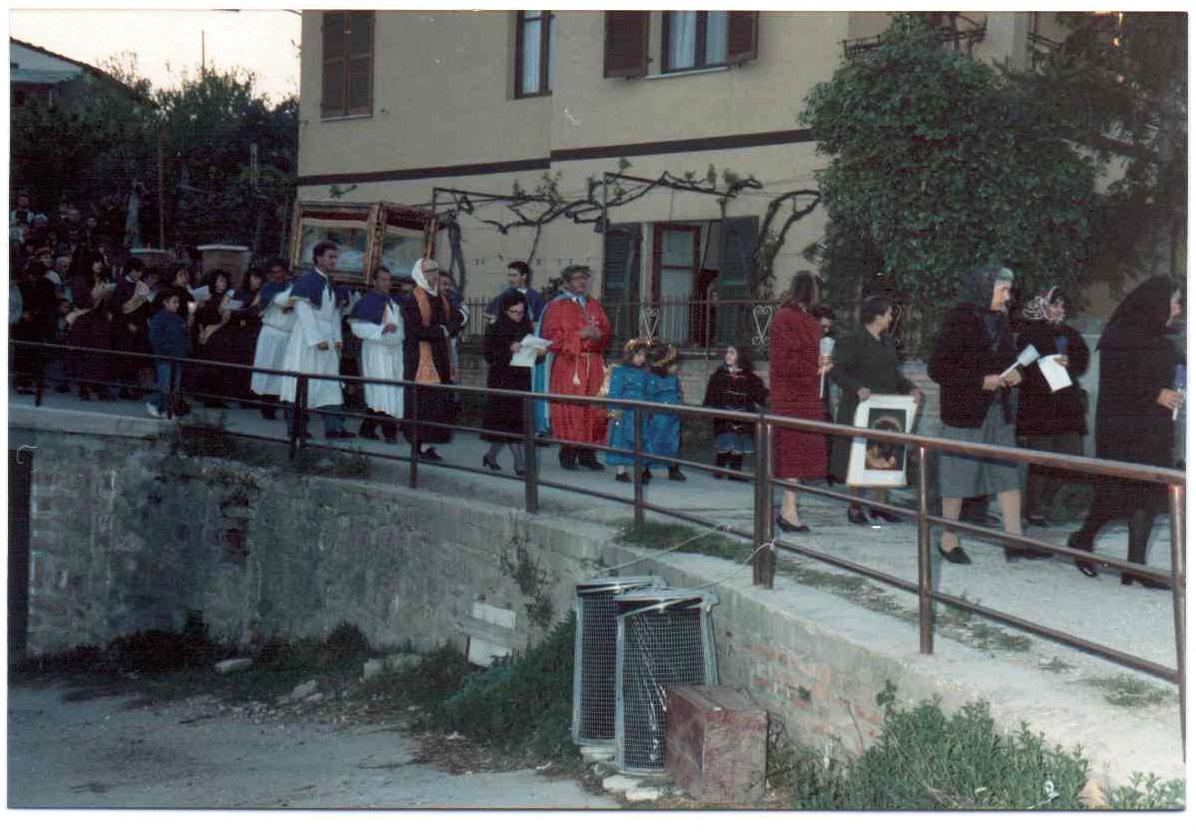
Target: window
[(348, 77), (675, 264), (695, 40), (534, 47)]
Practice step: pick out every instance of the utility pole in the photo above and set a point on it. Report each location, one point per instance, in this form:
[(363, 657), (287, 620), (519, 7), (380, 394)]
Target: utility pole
[(203, 62), (161, 195)]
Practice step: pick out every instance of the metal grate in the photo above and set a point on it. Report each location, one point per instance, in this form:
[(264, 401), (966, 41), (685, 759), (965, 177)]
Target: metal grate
[(664, 638), (594, 657)]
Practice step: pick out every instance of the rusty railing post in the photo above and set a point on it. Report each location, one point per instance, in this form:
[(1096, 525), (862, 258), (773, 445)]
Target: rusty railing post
[(413, 469), (925, 583), (637, 476), (1179, 583), (301, 412), (764, 565), (531, 486)]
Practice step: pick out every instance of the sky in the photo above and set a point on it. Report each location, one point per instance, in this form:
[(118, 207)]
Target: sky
[(168, 42)]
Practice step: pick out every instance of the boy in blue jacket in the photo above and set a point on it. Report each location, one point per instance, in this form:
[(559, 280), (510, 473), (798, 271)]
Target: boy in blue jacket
[(168, 335)]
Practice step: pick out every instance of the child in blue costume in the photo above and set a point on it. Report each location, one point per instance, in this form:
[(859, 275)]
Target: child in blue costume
[(664, 429), (627, 381)]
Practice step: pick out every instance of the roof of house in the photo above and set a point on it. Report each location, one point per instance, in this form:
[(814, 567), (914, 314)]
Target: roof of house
[(28, 76)]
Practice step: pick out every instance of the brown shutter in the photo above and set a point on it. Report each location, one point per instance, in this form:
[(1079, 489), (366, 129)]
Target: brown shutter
[(626, 52), (742, 31), (332, 85), (360, 48)]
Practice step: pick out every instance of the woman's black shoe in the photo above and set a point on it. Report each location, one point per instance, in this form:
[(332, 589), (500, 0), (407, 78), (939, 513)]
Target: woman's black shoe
[(884, 516), (789, 527), (623, 478), (1036, 519), (646, 476), (430, 455), (855, 514), (1014, 554), (368, 435), (956, 555), (1078, 541), (492, 465), (519, 473), (675, 474), (1145, 582)]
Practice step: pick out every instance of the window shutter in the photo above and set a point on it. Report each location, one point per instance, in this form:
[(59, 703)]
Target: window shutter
[(742, 36), (734, 265), (360, 48), (332, 86), (626, 45), (621, 279)]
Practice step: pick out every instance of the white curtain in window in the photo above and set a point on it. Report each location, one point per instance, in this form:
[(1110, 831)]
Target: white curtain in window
[(531, 54), (716, 38), (683, 39)]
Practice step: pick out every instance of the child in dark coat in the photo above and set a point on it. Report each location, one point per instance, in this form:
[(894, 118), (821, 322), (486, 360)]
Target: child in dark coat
[(168, 335), (734, 387)]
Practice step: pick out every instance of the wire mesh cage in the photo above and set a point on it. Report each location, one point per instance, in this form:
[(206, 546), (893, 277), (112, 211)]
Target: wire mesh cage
[(594, 657), (664, 638)]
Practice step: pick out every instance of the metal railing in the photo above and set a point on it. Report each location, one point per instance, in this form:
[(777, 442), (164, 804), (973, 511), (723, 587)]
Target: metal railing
[(680, 320), (764, 541)]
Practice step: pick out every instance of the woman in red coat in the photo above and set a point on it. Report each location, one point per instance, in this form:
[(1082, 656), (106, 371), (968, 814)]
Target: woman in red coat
[(796, 367)]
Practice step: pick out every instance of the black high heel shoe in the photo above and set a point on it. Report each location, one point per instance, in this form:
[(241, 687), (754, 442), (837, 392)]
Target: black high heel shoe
[(856, 514), (492, 465), (1129, 579), (1078, 541), (956, 556), (789, 527)]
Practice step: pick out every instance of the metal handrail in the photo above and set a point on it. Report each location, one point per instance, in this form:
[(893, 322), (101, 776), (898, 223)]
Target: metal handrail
[(764, 541)]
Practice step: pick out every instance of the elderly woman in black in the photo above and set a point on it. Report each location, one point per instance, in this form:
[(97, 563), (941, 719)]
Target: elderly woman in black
[(978, 405), (1133, 416), (505, 413), (865, 365), (1050, 421)]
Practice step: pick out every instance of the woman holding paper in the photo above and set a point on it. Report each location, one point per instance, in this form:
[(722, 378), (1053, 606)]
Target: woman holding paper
[(798, 366), (505, 413), (976, 365), (1051, 412), (1134, 417)]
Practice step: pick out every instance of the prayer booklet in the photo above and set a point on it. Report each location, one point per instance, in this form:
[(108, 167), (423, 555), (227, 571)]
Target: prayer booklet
[(1054, 372), (201, 294), (527, 355), (234, 305)]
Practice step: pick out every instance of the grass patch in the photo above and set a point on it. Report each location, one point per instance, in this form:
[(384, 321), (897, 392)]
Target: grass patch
[(332, 463), (1129, 691), (661, 535)]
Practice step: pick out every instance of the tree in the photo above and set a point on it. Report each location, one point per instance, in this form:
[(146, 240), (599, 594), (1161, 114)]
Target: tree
[(939, 164), (1121, 81)]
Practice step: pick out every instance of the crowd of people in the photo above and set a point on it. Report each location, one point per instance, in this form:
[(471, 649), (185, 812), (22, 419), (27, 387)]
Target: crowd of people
[(407, 327)]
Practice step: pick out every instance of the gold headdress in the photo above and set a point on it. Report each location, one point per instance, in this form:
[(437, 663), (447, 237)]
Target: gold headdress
[(635, 345)]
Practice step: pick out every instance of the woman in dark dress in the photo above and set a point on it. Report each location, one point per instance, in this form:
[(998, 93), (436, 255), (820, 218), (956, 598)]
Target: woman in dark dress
[(91, 324), (238, 337), (209, 383), (505, 413), (1134, 407), (865, 365), (1050, 421), (429, 321)]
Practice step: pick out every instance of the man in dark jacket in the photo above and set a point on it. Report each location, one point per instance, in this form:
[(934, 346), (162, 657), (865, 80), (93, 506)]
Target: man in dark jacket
[(38, 323)]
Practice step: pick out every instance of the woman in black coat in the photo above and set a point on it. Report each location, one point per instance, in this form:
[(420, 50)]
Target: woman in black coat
[(1133, 416), (866, 364), (429, 322), (91, 324), (1050, 422), (505, 413)]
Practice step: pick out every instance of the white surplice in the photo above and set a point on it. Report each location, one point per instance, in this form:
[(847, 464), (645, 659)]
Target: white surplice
[(382, 358), (311, 327), (272, 344)]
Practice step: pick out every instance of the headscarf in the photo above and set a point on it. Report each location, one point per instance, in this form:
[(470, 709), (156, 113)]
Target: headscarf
[(1036, 309), (417, 274), (1142, 317), (979, 286), (506, 328)]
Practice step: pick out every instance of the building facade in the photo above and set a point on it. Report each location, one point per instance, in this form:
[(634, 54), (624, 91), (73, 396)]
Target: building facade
[(591, 107)]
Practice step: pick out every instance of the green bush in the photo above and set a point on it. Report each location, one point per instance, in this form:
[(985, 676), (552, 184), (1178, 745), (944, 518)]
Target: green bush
[(521, 704)]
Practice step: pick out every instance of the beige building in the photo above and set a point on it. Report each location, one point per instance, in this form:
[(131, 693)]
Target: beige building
[(394, 105)]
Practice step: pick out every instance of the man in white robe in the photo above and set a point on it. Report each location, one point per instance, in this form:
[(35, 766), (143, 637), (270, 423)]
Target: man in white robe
[(278, 320), (377, 322), (315, 342)]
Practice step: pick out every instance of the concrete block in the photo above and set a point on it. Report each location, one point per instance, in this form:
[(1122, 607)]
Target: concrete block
[(304, 690), (715, 744), (620, 784), (597, 754), (640, 795)]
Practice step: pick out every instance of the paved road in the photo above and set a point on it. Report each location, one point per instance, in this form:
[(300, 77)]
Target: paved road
[(1130, 618), (100, 753)]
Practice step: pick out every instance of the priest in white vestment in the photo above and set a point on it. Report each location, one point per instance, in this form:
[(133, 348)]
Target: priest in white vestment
[(377, 322)]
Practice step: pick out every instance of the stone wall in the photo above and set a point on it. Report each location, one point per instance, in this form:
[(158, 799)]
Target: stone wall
[(127, 535)]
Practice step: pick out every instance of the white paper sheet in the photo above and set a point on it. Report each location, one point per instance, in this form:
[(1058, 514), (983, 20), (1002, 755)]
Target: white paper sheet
[(1027, 357), (1054, 372), (201, 294), (527, 355), (234, 305)]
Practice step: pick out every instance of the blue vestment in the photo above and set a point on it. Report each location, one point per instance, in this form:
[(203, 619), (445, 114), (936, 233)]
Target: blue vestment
[(663, 435), (626, 382)]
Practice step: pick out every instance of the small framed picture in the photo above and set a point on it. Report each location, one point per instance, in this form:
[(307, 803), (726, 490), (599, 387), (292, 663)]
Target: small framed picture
[(877, 464)]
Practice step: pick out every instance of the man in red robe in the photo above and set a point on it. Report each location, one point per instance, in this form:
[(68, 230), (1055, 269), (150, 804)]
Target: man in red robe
[(580, 333)]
